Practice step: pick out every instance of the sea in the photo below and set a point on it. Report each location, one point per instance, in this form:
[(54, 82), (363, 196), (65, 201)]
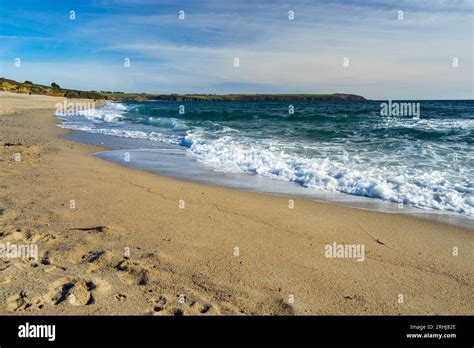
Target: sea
[(418, 161)]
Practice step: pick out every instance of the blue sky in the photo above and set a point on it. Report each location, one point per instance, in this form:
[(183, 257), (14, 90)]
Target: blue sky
[(388, 58)]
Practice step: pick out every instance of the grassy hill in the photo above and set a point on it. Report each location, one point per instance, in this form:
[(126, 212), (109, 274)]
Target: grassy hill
[(29, 87)]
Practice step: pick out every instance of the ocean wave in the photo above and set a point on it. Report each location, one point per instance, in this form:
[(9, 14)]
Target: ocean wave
[(396, 183), (171, 123), (405, 160), (110, 112)]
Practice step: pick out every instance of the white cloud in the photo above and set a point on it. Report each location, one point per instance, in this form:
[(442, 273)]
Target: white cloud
[(388, 58)]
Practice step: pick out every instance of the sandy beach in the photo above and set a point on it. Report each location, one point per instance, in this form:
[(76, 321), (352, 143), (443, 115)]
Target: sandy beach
[(113, 240)]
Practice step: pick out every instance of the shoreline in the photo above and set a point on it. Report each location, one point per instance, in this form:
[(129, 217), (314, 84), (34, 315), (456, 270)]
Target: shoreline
[(155, 157), (427, 180), (183, 260)]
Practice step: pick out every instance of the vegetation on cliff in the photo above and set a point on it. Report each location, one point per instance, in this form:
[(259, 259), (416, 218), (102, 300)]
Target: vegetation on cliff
[(55, 89)]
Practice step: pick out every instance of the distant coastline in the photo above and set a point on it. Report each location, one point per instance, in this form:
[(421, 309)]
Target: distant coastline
[(55, 90)]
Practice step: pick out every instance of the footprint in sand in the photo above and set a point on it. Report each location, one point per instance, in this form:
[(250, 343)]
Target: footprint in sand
[(101, 287), (75, 292), (97, 260), (20, 303), (80, 294), (120, 297), (180, 305), (275, 306), (51, 258), (43, 237), (135, 271), (19, 234), (201, 307)]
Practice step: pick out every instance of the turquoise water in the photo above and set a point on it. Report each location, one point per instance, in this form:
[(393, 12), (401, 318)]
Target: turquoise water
[(424, 160)]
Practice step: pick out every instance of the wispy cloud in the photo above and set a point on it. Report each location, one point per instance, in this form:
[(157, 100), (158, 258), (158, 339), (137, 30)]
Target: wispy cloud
[(388, 57)]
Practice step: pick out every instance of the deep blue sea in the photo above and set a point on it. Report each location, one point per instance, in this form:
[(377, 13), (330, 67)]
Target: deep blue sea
[(424, 160)]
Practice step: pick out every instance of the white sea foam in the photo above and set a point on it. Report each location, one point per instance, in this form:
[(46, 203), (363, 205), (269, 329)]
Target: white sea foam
[(399, 183), (426, 124), (110, 112), (124, 133), (95, 120)]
